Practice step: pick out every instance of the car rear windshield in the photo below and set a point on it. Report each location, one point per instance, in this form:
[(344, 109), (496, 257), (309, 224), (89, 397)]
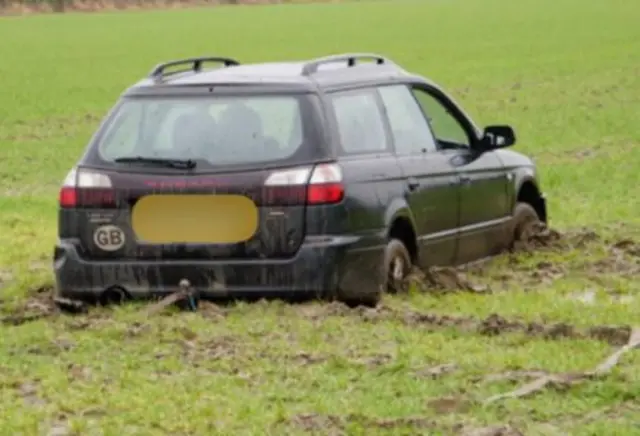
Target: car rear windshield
[(213, 131)]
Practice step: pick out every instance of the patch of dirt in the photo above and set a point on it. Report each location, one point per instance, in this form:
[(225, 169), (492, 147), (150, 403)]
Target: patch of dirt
[(211, 310), (540, 237), (413, 422), (492, 325), (623, 259), (316, 312), (445, 405), (78, 372), (304, 358), (496, 430), (336, 425), (198, 350), (60, 428), (313, 422), (27, 390), (435, 372), (512, 376), (628, 246), (442, 280), (38, 305), (374, 361)]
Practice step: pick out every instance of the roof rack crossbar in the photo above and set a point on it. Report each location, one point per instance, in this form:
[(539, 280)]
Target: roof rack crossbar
[(312, 66), (196, 65)]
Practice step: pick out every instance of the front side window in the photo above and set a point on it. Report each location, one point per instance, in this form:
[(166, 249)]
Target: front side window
[(360, 122), (446, 128), (217, 131), (411, 132)]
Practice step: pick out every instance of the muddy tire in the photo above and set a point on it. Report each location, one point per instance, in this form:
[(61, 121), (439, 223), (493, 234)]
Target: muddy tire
[(396, 267), (525, 221)]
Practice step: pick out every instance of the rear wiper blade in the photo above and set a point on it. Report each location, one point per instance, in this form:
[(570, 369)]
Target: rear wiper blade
[(167, 162)]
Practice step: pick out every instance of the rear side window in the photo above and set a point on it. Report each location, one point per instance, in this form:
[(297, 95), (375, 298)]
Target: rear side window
[(411, 132), (216, 131), (360, 122)]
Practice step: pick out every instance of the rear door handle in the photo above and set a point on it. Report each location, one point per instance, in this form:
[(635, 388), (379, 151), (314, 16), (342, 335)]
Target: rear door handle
[(465, 180), (413, 183)]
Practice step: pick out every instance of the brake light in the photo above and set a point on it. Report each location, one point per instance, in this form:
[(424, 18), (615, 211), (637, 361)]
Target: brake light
[(314, 186), (82, 188), (325, 185)]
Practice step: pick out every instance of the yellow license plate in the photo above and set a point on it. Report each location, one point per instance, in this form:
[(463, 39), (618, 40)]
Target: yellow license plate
[(194, 219)]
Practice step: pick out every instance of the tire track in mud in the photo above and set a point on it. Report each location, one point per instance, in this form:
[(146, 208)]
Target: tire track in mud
[(334, 425), (492, 325)]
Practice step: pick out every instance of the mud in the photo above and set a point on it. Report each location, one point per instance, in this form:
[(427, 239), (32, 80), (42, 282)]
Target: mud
[(442, 280), (499, 430), (30, 393), (304, 358), (435, 372), (519, 274), (314, 423), (337, 425), (622, 257), (39, 305), (492, 325)]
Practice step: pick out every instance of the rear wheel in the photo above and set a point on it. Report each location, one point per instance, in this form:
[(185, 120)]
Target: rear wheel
[(395, 268), (525, 222)]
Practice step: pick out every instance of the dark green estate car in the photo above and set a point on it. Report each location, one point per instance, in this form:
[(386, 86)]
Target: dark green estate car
[(329, 177)]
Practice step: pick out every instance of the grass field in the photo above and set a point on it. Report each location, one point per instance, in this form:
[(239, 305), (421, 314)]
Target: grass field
[(565, 73)]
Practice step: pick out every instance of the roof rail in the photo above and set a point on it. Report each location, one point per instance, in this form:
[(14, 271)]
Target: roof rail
[(196, 65), (312, 66)]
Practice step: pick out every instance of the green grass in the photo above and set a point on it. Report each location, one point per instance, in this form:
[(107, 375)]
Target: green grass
[(564, 73)]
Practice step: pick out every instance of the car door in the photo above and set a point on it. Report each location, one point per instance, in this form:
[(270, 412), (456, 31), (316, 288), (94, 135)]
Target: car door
[(431, 181), (484, 204)]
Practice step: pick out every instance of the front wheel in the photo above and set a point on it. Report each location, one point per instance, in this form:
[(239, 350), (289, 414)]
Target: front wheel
[(525, 222)]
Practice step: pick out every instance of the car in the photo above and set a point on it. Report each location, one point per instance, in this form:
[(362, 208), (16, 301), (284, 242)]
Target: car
[(331, 177)]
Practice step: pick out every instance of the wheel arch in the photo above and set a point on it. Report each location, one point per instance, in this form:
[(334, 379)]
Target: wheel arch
[(400, 224), (528, 191)]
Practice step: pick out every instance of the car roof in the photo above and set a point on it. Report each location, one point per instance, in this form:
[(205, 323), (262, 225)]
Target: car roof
[(343, 70)]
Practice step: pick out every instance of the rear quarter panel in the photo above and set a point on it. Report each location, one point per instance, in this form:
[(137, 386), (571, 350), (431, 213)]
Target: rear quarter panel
[(361, 212)]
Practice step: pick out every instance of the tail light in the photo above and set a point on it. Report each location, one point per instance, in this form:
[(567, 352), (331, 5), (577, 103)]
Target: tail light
[(89, 189), (321, 184)]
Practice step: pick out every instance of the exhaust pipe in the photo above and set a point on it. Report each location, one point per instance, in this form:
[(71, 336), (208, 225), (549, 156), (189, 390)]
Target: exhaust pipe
[(114, 295)]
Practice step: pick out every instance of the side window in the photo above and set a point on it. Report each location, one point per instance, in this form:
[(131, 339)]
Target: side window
[(411, 133), (445, 126), (360, 121)]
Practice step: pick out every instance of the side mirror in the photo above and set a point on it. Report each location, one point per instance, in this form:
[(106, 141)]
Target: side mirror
[(498, 137)]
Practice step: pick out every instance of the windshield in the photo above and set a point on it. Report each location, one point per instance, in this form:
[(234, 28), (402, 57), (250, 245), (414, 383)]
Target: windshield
[(212, 131)]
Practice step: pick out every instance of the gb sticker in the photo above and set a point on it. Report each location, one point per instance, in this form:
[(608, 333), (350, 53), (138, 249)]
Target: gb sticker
[(109, 238)]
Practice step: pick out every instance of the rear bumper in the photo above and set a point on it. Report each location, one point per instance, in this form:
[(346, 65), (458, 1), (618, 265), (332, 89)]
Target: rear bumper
[(322, 264)]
